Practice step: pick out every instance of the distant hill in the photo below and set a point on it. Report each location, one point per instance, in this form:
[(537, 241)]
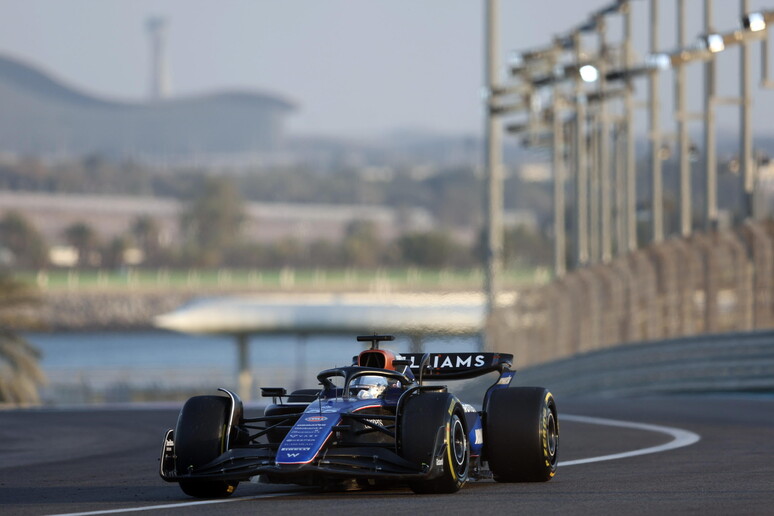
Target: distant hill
[(43, 116)]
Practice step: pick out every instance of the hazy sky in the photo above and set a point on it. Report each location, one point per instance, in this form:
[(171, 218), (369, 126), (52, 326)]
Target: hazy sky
[(353, 67)]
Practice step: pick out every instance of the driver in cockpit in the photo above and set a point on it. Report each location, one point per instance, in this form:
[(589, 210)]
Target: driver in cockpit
[(370, 387)]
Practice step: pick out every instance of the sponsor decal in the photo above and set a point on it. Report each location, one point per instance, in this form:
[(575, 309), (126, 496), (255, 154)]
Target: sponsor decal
[(479, 435), (461, 361), (506, 378), (443, 361), (305, 439)]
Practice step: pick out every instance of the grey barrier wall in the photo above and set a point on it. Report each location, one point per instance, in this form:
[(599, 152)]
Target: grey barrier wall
[(707, 284), (742, 362)]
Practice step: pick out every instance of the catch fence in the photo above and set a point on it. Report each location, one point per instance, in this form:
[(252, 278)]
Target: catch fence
[(710, 283)]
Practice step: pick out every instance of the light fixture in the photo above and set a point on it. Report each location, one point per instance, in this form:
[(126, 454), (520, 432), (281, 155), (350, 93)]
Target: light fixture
[(516, 63), (755, 22), (516, 59), (660, 61), (714, 43), (589, 73)]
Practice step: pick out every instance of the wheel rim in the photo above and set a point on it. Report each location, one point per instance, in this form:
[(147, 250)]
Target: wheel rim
[(459, 444), (552, 435)]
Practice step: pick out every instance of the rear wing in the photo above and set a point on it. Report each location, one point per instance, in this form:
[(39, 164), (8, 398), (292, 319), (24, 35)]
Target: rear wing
[(458, 366)]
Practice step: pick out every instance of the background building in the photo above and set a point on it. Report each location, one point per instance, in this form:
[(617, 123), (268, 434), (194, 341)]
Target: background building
[(43, 116), (113, 215)]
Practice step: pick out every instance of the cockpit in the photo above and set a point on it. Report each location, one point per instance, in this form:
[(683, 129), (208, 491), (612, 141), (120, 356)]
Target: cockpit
[(369, 387)]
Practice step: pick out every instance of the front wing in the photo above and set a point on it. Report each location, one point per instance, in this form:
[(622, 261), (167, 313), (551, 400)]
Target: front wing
[(359, 461)]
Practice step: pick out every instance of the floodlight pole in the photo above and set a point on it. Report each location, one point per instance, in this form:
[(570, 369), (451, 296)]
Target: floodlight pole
[(682, 129), (619, 189), (746, 159), (593, 174), (493, 165), (605, 204), (657, 202), (581, 164), (631, 166), (710, 151), (560, 258)]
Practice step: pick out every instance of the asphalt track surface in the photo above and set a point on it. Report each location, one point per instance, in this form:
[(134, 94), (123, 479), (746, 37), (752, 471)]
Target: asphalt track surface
[(104, 461)]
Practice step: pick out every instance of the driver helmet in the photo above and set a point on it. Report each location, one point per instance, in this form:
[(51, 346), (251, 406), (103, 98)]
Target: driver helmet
[(368, 387)]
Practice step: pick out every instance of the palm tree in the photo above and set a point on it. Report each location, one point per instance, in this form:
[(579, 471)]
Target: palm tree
[(147, 235), (23, 239), (20, 374), (211, 221)]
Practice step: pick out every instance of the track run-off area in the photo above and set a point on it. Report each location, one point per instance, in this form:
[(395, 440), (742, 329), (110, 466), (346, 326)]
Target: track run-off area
[(639, 455)]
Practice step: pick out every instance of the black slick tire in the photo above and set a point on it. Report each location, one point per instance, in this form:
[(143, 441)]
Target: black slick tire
[(521, 434), (425, 418), (200, 437)]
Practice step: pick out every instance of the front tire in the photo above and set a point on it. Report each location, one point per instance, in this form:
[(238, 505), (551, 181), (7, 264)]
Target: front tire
[(521, 434), (422, 418), (200, 437)]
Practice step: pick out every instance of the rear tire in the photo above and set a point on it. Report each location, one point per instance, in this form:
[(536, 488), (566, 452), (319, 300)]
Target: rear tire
[(200, 437), (521, 434), (422, 417)]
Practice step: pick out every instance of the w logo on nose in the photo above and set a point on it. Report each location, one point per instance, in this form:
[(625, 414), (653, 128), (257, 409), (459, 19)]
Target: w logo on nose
[(293, 454)]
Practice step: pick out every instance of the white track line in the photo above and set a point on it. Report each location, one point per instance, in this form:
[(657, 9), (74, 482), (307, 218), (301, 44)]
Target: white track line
[(176, 505), (680, 438)]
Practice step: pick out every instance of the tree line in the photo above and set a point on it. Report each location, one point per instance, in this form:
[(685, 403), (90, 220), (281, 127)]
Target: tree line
[(453, 194), (211, 224)]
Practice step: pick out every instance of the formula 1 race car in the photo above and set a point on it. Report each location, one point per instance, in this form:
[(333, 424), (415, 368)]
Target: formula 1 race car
[(374, 422)]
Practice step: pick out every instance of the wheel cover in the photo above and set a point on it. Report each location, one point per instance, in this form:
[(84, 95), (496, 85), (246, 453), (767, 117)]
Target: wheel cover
[(552, 436), (459, 444)]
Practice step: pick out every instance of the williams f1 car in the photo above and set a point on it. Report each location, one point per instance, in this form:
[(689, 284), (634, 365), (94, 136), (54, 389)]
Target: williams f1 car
[(376, 421)]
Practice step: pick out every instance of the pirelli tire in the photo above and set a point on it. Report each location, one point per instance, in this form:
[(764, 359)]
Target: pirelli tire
[(521, 434), (428, 420), (200, 437)]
